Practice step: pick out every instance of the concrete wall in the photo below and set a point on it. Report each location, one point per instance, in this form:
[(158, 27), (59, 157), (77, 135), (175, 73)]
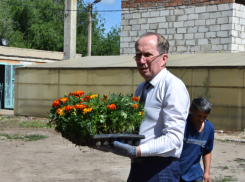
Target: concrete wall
[(35, 89), (210, 26)]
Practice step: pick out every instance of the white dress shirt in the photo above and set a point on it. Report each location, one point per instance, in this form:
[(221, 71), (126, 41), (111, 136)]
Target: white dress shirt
[(166, 107)]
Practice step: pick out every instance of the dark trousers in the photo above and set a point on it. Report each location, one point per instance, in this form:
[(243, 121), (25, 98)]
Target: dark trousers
[(155, 172), (181, 180)]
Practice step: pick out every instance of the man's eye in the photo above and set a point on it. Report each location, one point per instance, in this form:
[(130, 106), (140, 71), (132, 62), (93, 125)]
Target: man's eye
[(147, 55)]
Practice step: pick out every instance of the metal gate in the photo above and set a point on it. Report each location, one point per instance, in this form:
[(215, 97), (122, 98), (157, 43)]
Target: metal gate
[(9, 86), (1, 94)]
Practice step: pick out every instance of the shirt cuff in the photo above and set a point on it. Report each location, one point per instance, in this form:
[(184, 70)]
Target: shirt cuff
[(144, 150)]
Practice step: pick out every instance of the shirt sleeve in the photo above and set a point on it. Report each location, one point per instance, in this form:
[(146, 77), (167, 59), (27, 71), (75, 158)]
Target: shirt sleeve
[(174, 113)]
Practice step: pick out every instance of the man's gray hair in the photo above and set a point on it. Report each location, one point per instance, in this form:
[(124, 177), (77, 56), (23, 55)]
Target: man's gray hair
[(162, 43), (202, 104)]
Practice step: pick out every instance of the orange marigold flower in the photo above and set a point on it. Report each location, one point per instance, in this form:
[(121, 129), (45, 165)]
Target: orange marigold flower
[(106, 96), (71, 93), (79, 93), (69, 108), (112, 106), (80, 106), (135, 99), (87, 98), (86, 110), (56, 103), (134, 106), (64, 99), (58, 111), (61, 112)]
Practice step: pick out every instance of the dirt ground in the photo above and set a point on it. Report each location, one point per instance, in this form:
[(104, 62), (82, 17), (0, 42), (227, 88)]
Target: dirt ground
[(55, 159)]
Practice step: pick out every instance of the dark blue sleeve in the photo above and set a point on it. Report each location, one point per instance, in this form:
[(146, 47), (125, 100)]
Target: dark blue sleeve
[(210, 142)]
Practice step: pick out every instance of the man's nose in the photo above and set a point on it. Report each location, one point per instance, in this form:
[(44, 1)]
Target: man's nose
[(142, 60)]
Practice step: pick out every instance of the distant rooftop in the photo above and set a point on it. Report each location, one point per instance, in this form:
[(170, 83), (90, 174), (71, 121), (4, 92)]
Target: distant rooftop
[(180, 60)]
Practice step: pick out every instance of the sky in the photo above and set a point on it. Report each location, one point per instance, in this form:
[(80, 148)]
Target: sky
[(111, 18)]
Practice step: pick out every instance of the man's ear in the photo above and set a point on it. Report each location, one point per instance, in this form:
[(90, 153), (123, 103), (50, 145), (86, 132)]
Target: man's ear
[(164, 60)]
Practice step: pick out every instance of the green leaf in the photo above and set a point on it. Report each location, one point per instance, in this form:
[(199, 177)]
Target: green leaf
[(124, 115)]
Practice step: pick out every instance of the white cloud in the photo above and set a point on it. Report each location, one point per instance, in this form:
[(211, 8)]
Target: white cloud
[(108, 2)]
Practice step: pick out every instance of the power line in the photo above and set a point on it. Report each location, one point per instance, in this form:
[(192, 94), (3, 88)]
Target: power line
[(39, 7), (94, 10)]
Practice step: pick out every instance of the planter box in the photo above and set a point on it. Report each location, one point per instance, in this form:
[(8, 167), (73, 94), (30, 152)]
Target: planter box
[(105, 139)]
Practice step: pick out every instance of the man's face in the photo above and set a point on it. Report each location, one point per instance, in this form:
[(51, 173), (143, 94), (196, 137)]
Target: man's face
[(198, 117), (146, 49)]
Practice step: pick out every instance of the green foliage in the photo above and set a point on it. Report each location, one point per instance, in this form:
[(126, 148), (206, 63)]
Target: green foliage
[(40, 25), (86, 115)]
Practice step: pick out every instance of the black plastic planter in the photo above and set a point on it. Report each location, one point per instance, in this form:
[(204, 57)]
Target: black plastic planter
[(105, 139)]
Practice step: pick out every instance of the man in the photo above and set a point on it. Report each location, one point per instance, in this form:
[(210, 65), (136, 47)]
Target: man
[(198, 141), (166, 104)]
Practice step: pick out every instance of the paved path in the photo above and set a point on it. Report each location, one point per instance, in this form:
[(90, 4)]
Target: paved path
[(7, 112)]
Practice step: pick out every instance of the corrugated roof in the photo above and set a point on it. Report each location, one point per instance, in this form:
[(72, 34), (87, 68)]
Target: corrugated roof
[(180, 60)]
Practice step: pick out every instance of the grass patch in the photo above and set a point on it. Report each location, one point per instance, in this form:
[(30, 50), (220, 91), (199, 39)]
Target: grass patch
[(239, 160), (34, 137), (221, 140), (22, 122), (34, 124), (224, 179), (226, 167)]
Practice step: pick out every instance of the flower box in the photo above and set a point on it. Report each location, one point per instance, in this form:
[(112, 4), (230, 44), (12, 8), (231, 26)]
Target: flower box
[(83, 118)]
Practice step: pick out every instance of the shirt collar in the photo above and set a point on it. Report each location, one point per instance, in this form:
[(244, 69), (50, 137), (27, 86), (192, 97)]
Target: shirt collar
[(158, 77)]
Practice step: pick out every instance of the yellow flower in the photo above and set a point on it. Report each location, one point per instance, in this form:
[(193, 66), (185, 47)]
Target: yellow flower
[(86, 110), (62, 112), (141, 113), (74, 113), (93, 96)]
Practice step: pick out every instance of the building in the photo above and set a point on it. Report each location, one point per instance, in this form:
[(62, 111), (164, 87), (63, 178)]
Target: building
[(10, 58), (212, 76), (193, 26)]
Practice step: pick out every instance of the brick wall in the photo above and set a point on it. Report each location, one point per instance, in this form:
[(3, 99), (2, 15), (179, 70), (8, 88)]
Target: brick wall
[(170, 3), (189, 29)]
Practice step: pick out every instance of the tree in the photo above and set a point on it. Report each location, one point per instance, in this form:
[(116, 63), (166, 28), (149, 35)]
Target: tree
[(39, 24), (8, 26), (110, 44)]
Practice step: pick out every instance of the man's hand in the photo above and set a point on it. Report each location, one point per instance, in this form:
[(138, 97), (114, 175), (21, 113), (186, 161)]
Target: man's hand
[(207, 178), (119, 148)]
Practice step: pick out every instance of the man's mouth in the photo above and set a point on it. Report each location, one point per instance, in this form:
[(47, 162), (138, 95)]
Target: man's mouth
[(143, 69)]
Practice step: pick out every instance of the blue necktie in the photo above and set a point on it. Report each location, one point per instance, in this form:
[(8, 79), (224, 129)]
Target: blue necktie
[(144, 92), (142, 100)]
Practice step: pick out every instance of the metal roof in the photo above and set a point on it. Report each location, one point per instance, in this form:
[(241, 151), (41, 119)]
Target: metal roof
[(180, 60)]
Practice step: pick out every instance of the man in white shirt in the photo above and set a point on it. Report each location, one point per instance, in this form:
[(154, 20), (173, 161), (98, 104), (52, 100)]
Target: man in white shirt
[(166, 105)]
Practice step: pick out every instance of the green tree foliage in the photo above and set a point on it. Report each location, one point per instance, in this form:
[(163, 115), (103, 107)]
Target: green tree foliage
[(39, 24), (8, 27)]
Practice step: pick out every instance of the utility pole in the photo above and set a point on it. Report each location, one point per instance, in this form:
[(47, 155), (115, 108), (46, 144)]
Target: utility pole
[(70, 29), (90, 6)]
